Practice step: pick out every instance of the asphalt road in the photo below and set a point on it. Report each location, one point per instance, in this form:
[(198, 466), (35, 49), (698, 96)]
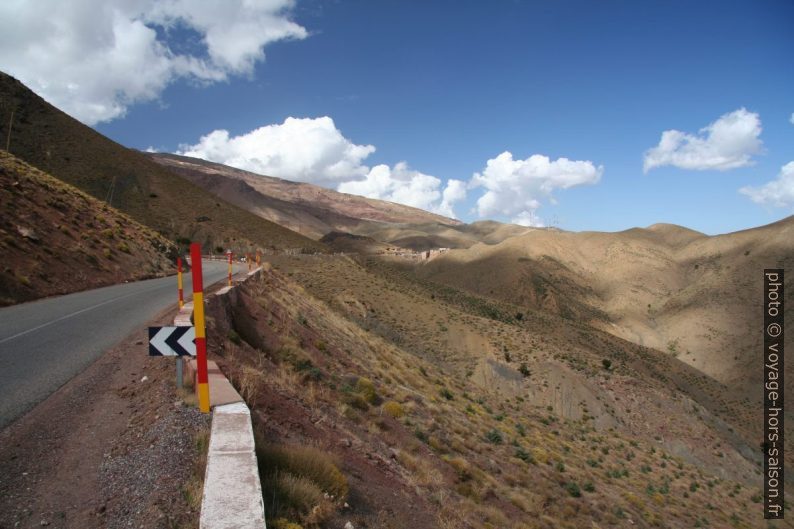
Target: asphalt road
[(43, 344)]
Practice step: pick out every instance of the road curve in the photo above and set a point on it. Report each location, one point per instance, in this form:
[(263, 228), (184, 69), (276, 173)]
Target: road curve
[(43, 344)]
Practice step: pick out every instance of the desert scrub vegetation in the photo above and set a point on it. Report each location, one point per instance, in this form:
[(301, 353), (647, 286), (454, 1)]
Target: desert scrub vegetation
[(301, 485), (393, 409)]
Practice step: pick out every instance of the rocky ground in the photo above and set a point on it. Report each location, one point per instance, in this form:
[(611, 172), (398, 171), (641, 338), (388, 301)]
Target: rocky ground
[(115, 447)]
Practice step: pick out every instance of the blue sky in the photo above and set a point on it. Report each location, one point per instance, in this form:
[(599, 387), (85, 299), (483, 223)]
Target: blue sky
[(447, 86)]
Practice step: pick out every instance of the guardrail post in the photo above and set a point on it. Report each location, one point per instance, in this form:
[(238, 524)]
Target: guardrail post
[(202, 381), (230, 267), (179, 281)]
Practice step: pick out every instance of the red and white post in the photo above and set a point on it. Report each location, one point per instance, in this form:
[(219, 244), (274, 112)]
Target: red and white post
[(202, 380)]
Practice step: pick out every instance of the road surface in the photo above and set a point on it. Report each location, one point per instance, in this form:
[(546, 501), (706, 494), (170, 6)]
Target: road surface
[(43, 344)]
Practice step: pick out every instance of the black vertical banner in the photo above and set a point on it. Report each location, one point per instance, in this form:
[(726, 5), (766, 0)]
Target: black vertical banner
[(773, 393)]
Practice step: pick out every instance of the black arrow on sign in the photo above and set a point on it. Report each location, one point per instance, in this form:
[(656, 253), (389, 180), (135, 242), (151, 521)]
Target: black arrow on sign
[(172, 341)]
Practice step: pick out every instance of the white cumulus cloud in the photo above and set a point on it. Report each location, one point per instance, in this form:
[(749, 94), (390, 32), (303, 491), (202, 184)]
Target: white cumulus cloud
[(404, 185), (791, 118), (94, 58), (313, 150), (727, 143), (778, 192), (515, 188), (302, 149)]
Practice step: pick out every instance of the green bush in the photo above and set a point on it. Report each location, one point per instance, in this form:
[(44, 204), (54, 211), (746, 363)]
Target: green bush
[(573, 489), (494, 437)]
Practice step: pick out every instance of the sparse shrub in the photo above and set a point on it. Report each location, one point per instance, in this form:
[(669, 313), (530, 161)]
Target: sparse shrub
[(300, 482), (525, 456), (107, 234), (356, 401), (494, 437), (283, 523), (508, 358), (234, 337), (519, 316), (249, 383), (107, 252), (462, 468), (444, 392), (524, 370), (393, 409), (123, 247), (607, 363), (303, 364), (573, 489), (366, 389), (588, 486), (421, 435)]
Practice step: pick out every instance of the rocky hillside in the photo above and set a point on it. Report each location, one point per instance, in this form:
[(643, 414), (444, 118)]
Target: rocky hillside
[(306, 208), (694, 297), (444, 409), (56, 239), (128, 180)]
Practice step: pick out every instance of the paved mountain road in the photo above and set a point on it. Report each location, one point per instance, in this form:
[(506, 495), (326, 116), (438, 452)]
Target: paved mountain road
[(43, 344)]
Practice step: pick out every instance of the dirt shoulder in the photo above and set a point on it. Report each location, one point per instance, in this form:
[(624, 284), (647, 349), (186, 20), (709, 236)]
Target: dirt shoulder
[(114, 447)]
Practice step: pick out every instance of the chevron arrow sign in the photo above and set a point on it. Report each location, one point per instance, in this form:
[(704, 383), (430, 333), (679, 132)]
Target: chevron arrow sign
[(172, 341)]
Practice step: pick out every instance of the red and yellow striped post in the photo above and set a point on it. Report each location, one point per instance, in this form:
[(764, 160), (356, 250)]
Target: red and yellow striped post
[(248, 260), (230, 268), (258, 258), (179, 281), (202, 381)]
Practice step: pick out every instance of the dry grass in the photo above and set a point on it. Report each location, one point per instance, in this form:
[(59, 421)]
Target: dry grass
[(300, 483), (194, 487)]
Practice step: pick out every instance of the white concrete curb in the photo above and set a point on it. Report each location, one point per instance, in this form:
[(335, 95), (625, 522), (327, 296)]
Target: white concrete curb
[(232, 493)]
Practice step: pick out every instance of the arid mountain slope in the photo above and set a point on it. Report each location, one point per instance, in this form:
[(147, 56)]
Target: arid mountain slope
[(128, 180), (445, 409), (316, 211), (694, 296), (56, 239), (307, 208)]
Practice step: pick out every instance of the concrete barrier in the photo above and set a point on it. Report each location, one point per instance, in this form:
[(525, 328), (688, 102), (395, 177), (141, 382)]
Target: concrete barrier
[(232, 497)]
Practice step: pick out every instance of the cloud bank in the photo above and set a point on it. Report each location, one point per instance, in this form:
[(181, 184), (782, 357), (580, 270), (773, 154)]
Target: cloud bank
[(515, 188), (94, 58), (728, 143), (313, 150), (778, 192)]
